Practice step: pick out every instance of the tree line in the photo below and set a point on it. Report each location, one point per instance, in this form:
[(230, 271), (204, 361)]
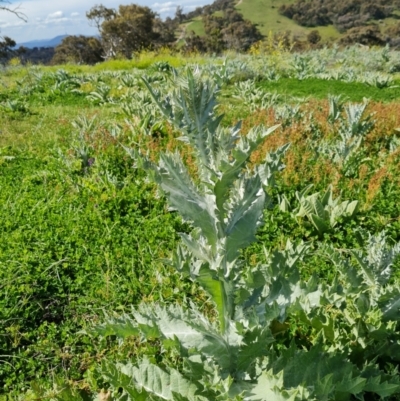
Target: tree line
[(357, 20), (343, 14), (129, 29), (133, 28)]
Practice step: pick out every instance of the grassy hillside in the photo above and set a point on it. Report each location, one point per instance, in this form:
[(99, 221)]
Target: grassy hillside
[(196, 26), (266, 15)]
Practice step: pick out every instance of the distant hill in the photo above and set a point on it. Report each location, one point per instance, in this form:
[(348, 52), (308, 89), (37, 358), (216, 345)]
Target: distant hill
[(266, 14), (43, 43)]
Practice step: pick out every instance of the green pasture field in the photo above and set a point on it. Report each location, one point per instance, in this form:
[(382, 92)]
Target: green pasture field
[(320, 89), (265, 14), (85, 234), (196, 25)]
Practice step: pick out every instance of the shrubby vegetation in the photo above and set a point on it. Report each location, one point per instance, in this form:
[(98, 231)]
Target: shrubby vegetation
[(358, 21), (229, 31), (7, 50), (79, 49), (126, 31), (343, 14), (283, 291), (131, 29)]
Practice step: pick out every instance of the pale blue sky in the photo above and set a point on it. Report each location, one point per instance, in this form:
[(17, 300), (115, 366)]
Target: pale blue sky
[(50, 18)]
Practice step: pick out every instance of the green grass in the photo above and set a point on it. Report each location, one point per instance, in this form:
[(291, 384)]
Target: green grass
[(320, 89), (265, 14), (49, 126), (140, 61), (388, 22), (73, 245), (196, 26), (54, 233)]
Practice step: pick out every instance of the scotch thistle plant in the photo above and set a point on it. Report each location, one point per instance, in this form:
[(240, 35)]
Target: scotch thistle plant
[(323, 211), (346, 152), (231, 355)]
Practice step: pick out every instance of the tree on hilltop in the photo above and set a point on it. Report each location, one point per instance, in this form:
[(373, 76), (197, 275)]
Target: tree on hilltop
[(7, 50), (78, 49), (343, 14), (129, 29), (6, 43), (231, 31)]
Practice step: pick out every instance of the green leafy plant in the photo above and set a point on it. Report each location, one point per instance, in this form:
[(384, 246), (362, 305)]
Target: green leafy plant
[(230, 353), (140, 109), (379, 80), (335, 108), (101, 95), (253, 97), (346, 152), (287, 114), (64, 219), (226, 209), (372, 301), (226, 72), (129, 80), (301, 66), (15, 107), (162, 66), (323, 211)]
